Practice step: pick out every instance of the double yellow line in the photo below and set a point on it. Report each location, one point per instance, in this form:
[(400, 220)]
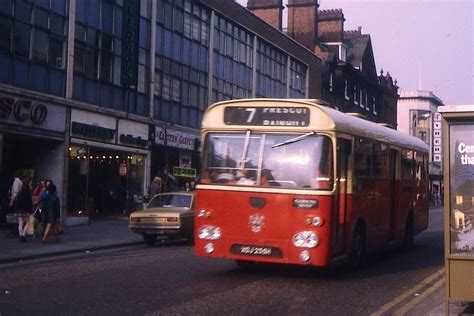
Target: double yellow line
[(417, 299)]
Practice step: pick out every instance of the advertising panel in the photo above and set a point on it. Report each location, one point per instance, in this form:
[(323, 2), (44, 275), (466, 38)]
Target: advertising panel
[(462, 189)]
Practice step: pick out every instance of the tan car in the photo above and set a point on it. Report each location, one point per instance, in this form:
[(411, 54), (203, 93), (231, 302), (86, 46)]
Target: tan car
[(167, 214)]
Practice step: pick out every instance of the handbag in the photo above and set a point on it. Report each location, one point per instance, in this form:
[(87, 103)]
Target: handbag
[(38, 215)]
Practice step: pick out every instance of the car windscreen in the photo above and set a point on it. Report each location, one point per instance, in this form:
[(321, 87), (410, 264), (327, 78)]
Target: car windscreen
[(170, 200), (267, 159)]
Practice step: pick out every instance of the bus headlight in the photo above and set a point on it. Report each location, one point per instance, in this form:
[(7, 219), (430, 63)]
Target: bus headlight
[(306, 239), (209, 232)]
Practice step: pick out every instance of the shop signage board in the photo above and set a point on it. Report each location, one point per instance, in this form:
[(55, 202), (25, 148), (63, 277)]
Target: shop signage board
[(123, 169), (132, 134), (87, 125), (458, 150), (175, 138), (32, 113), (130, 36), (184, 172)]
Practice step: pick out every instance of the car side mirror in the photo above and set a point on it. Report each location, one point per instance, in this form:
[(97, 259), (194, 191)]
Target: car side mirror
[(146, 199)]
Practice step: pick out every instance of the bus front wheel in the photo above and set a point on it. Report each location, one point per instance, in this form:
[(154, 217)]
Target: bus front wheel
[(358, 251)]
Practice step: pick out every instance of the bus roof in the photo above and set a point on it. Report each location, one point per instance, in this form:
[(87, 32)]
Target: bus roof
[(322, 118)]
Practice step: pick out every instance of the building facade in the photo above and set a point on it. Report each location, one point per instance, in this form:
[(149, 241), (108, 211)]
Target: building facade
[(418, 116), (101, 96)]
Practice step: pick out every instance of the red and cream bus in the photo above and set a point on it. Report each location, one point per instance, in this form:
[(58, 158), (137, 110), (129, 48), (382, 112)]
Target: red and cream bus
[(296, 181)]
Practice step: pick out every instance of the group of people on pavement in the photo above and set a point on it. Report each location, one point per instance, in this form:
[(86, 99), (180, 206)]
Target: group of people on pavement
[(41, 201), (156, 186)]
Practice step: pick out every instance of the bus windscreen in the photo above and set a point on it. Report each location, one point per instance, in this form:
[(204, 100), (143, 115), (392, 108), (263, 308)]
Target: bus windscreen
[(298, 161)]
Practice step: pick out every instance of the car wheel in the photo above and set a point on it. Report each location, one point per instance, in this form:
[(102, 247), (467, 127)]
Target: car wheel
[(149, 239)]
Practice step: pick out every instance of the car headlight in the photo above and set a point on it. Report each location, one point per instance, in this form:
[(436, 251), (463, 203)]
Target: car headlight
[(306, 239), (209, 232)]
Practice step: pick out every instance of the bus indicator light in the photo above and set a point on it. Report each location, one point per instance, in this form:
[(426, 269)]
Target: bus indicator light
[(204, 214), (317, 221)]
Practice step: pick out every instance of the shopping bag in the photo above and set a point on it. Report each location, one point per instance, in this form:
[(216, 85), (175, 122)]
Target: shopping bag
[(31, 225), (37, 215)]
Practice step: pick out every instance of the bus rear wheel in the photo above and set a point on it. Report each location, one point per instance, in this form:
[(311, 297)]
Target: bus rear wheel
[(358, 250), (409, 238)]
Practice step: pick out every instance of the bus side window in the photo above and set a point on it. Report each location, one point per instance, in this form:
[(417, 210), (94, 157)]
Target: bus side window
[(323, 178)]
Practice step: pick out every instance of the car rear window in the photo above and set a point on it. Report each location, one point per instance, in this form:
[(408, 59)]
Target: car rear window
[(170, 200)]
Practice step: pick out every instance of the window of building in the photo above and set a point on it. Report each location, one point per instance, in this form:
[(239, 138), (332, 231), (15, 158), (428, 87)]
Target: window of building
[(355, 95), (330, 82), (297, 79), (33, 39), (271, 71), (232, 61), (346, 90), (97, 56), (374, 106)]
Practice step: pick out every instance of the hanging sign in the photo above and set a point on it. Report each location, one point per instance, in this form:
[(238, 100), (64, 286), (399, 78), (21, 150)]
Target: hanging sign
[(123, 169)]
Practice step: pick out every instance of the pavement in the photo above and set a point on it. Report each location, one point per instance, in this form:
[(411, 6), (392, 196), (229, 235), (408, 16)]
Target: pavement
[(112, 233), (98, 234)]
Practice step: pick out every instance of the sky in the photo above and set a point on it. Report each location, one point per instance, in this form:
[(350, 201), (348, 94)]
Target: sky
[(425, 44)]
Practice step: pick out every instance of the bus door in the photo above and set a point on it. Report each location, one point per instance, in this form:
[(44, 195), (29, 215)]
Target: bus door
[(393, 192), (344, 147)]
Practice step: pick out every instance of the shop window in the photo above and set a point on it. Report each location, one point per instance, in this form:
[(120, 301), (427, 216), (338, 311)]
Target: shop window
[(105, 182)]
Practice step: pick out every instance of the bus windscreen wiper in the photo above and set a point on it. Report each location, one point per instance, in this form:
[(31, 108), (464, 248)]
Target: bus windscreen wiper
[(293, 140)]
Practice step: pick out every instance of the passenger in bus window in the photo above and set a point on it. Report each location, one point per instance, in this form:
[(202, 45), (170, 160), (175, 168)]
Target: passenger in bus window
[(267, 179), (249, 178)]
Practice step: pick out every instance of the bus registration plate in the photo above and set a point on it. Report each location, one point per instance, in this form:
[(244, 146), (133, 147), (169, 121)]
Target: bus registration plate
[(251, 250)]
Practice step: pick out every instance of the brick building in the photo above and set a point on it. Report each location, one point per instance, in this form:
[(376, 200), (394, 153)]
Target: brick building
[(349, 76)]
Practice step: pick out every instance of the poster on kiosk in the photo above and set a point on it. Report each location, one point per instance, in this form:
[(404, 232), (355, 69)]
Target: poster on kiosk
[(462, 189), (458, 148)]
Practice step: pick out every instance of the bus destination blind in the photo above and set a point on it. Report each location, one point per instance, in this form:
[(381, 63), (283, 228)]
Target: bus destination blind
[(266, 116)]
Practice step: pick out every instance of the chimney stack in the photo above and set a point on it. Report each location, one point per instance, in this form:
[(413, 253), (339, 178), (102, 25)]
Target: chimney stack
[(331, 26), (303, 21), (268, 10)]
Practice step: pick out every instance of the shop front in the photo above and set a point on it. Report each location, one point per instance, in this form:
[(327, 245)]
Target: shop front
[(108, 161), (175, 156), (31, 143)]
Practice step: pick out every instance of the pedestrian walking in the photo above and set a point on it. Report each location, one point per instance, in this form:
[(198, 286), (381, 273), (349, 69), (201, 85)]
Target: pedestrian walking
[(15, 189), (24, 207), (155, 187), (51, 207)]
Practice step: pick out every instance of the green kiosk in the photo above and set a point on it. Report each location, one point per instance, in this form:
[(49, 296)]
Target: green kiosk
[(458, 151)]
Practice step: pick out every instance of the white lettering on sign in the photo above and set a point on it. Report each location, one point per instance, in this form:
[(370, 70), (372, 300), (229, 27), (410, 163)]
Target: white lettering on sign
[(175, 138), (464, 150), (285, 110), (283, 123)]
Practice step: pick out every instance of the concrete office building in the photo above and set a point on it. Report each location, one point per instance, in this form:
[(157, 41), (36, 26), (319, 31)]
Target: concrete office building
[(100, 102)]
